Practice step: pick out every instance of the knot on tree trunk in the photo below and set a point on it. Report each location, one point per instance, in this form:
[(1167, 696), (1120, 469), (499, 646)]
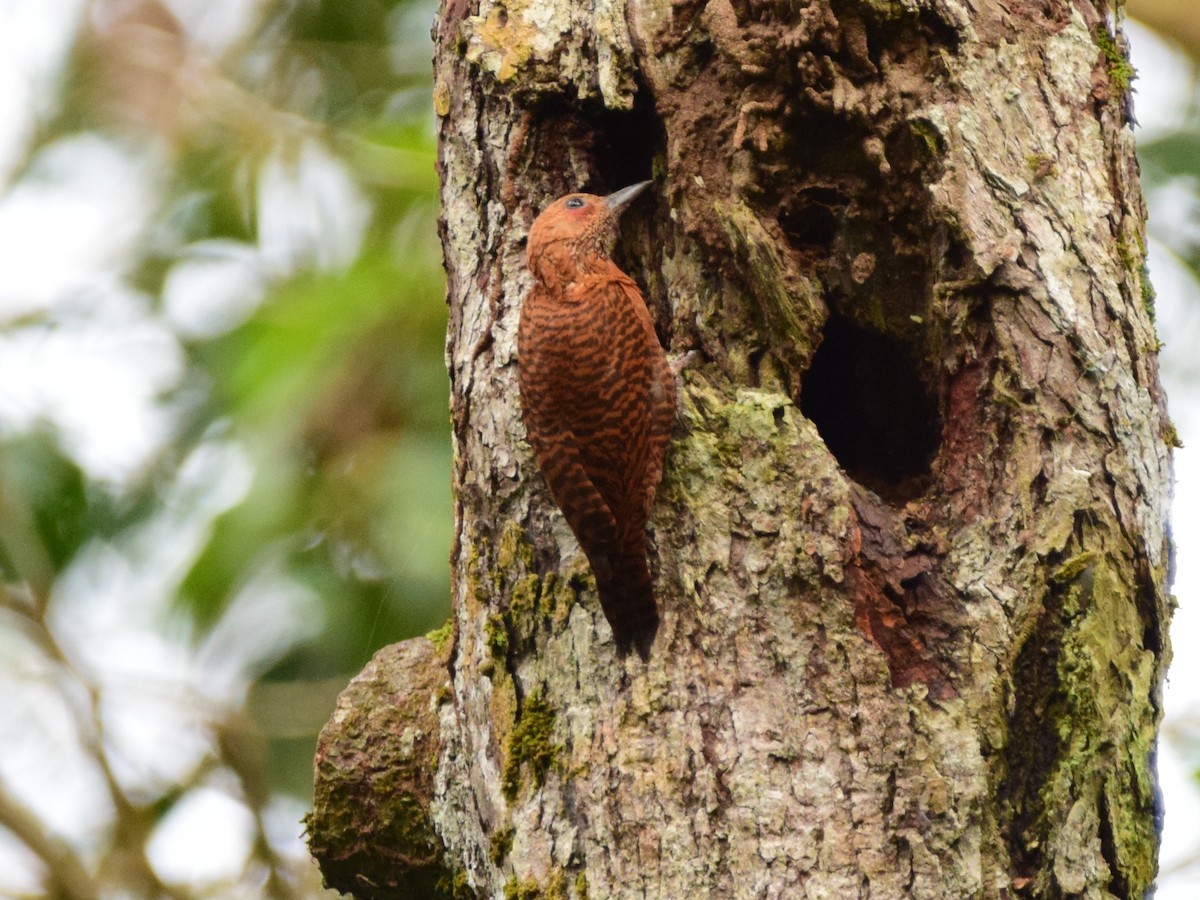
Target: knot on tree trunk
[(371, 827)]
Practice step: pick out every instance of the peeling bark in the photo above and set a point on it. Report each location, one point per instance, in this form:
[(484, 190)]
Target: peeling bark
[(910, 548)]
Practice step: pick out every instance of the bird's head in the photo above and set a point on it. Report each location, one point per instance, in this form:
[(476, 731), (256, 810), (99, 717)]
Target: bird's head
[(576, 227)]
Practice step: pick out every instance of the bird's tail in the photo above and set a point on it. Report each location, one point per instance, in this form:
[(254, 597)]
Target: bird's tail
[(627, 598)]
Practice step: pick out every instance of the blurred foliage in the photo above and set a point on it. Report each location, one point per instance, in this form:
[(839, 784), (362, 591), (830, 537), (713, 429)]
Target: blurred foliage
[(327, 374), (1171, 161), (1170, 157), (49, 510)]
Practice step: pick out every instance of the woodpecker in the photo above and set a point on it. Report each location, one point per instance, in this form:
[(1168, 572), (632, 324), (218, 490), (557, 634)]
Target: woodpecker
[(598, 399)]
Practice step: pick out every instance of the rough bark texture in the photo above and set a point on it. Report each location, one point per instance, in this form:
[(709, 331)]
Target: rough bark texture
[(910, 547)]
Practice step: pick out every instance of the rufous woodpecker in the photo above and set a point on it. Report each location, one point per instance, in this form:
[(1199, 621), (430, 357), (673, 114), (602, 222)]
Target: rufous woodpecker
[(598, 397)]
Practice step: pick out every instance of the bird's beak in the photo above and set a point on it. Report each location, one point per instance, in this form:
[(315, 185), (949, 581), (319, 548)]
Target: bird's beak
[(620, 199)]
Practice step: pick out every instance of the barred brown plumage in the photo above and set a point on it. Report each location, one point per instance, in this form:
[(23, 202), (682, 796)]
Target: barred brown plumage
[(598, 399)]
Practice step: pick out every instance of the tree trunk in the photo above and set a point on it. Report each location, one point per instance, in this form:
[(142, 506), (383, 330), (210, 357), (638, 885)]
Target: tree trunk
[(910, 548)]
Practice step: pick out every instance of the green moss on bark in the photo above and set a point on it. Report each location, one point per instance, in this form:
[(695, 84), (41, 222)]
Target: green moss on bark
[(441, 636), (500, 844), (555, 889), (515, 889), (1120, 70), (530, 747), (1074, 740)]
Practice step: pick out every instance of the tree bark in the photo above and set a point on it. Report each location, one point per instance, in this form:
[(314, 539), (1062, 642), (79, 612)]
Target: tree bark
[(910, 549)]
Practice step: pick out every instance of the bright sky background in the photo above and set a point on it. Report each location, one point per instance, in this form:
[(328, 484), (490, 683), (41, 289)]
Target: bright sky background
[(97, 372), (1162, 95)]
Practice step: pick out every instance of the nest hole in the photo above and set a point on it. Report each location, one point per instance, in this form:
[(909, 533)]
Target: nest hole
[(595, 149), (583, 146), (810, 219), (876, 415)]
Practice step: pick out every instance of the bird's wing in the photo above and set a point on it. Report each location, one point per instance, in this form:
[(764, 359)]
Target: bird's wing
[(662, 399)]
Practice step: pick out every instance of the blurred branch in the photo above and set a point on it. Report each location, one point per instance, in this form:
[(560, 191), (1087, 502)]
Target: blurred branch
[(124, 860), (1176, 20), (65, 873), (147, 75), (241, 749), (133, 825)]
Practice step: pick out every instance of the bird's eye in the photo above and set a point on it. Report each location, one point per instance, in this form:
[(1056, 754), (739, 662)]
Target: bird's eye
[(574, 203)]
